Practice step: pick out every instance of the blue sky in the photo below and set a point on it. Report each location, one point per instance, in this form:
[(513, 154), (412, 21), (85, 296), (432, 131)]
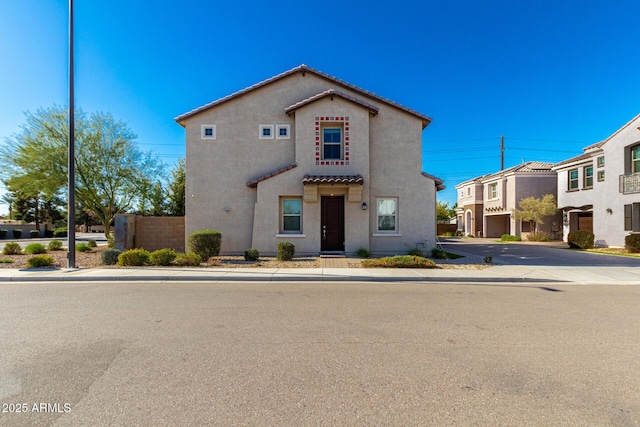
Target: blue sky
[(551, 76)]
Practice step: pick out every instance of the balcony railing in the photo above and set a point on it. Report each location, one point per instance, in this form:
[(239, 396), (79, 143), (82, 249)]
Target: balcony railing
[(630, 184)]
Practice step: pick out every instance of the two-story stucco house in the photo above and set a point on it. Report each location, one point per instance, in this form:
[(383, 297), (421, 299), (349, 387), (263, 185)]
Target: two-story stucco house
[(311, 159), (486, 203), (608, 204)]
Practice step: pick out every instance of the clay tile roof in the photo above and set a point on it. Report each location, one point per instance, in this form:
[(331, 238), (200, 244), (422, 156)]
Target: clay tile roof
[(254, 182), (438, 181), (584, 156), (333, 179), (331, 92), (304, 69)]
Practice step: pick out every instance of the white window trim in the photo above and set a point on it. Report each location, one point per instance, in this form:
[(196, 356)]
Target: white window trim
[(577, 180), (343, 148), (262, 127), (489, 195), (204, 127), (287, 127), (292, 235), (585, 178), (295, 233), (396, 230)]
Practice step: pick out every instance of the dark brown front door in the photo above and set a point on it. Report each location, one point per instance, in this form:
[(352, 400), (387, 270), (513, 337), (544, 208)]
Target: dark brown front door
[(332, 223)]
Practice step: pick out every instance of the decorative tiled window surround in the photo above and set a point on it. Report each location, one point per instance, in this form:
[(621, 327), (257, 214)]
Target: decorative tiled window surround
[(318, 152)]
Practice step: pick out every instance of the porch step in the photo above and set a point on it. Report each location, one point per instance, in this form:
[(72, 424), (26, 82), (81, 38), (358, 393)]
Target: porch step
[(335, 261), (332, 254)]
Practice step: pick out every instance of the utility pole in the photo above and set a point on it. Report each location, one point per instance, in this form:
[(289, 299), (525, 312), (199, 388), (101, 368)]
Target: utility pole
[(71, 204), (502, 153)]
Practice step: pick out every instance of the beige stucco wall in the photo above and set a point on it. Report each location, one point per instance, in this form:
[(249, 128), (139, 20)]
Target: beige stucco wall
[(384, 148)]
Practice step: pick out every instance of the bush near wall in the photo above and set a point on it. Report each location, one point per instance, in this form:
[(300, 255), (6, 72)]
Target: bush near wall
[(580, 239), (510, 238), (17, 233), (188, 259), (539, 236), (632, 243), (251, 254), (110, 256), (60, 232), (3, 233), (34, 234), (133, 258), (286, 251), (205, 243), (162, 257)]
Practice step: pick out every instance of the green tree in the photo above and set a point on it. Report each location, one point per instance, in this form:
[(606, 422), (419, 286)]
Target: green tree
[(176, 189), (153, 201), (444, 212), (111, 172), (535, 210), (9, 199)]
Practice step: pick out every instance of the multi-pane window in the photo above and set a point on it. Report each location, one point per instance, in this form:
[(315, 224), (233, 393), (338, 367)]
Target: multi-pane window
[(573, 179), (493, 191), (291, 215), (332, 143), (635, 159), (632, 217), (588, 177), (387, 214), (600, 161)]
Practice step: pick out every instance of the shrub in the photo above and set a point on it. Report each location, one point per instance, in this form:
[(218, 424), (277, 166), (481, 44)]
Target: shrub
[(111, 241), (415, 252), (83, 247), (205, 243), (35, 248), (60, 232), (632, 243), (539, 236), (17, 233), (437, 253), (3, 233), (400, 261), (40, 261), (580, 239), (251, 254), (286, 251), (6, 261), (363, 253), (188, 259), (55, 245), (110, 256), (162, 257), (12, 248), (510, 238), (48, 233), (92, 243), (133, 258), (34, 234)]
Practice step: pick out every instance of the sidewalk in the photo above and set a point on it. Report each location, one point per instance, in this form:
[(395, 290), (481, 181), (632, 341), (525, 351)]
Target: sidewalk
[(524, 275)]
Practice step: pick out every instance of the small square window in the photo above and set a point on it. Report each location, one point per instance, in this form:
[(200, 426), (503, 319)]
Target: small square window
[(282, 131), (265, 132), (208, 131)]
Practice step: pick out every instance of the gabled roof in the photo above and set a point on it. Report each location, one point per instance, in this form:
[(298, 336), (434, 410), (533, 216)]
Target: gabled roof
[(331, 93), (529, 167), (581, 157), (601, 143), (438, 181), (303, 69)]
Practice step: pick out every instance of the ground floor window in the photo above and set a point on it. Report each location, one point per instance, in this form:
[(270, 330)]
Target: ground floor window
[(632, 217), (387, 212), (291, 215)]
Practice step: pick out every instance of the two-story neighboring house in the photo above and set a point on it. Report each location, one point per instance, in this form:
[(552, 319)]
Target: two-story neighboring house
[(311, 159), (607, 204), (486, 203)]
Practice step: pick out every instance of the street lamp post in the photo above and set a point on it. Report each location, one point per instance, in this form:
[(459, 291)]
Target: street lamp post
[(71, 207)]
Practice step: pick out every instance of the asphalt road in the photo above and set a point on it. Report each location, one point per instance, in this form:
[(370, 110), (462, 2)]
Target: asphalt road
[(536, 254), (308, 354)]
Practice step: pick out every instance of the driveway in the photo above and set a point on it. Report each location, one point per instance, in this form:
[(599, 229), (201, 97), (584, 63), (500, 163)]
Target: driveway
[(528, 253)]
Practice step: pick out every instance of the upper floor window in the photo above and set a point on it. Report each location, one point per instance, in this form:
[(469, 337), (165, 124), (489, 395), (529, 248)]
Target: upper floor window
[(588, 177), (208, 131), (573, 179), (635, 159), (493, 191), (468, 191), (283, 131), (265, 132), (600, 175), (600, 161), (332, 143)]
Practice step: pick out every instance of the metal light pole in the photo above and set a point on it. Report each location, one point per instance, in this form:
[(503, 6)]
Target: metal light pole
[(71, 207)]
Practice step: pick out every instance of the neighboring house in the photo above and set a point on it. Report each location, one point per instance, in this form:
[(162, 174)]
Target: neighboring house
[(608, 204), (486, 203), (307, 158)]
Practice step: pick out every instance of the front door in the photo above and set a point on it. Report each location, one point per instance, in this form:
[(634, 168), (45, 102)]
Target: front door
[(332, 223)]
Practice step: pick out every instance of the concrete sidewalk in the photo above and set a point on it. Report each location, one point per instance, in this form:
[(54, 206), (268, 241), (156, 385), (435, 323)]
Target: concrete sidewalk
[(526, 275)]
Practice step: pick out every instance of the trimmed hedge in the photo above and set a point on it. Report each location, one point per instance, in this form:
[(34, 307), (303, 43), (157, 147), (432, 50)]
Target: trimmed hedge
[(286, 251), (34, 234), (17, 233), (83, 247), (510, 238), (632, 243), (162, 257), (205, 243), (133, 258), (580, 239), (400, 261), (3, 233), (60, 232), (251, 254), (539, 236), (188, 259)]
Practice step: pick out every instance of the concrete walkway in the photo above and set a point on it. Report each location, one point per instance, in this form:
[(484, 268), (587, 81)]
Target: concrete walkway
[(525, 275)]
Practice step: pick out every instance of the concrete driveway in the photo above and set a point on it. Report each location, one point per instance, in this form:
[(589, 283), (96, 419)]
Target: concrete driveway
[(528, 253)]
